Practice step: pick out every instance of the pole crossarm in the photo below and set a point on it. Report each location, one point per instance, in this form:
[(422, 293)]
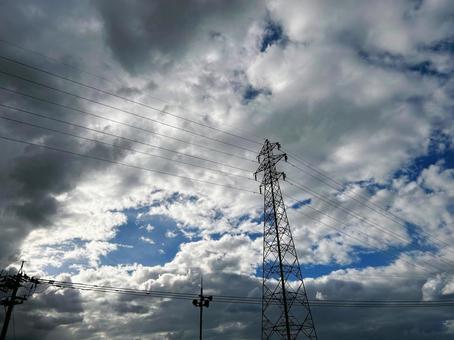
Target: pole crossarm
[(290, 318)]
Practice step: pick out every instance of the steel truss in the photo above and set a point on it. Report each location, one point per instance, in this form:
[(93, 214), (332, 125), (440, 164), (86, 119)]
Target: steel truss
[(286, 312)]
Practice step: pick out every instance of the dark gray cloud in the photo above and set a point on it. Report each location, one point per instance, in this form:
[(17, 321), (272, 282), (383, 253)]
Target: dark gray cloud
[(143, 33), (370, 323), (139, 317), (45, 315), (34, 176)]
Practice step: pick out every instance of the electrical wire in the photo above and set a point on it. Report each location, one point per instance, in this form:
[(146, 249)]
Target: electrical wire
[(346, 194), (381, 211), (123, 148), (82, 70), (188, 120), (11, 60), (323, 174), (79, 69), (352, 213), (348, 211), (327, 215), (248, 300), (123, 123), (105, 92), (121, 137), (358, 239), (120, 110), (124, 164), (312, 167)]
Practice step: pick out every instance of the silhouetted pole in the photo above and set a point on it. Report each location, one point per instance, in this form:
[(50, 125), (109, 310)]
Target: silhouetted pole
[(204, 301), (10, 304), (15, 284), (201, 311)]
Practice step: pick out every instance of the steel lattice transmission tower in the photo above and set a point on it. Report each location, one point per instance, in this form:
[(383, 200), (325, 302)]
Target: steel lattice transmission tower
[(285, 308)]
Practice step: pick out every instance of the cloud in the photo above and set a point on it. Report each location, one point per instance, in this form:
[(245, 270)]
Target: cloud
[(174, 318), (171, 234), (149, 228), (146, 240), (161, 33), (37, 177)]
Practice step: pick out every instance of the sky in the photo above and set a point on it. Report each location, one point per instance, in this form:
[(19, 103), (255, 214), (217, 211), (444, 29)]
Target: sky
[(358, 93)]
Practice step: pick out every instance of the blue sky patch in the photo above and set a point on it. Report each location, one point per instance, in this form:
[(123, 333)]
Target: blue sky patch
[(399, 63), (299, 204), (272, 34), (165, 236), (442, 46), (367, 258), (437, 154), (250, 93)]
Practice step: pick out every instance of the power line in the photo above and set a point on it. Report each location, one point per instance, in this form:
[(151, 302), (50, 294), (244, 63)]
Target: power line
[(141, 117), (379, 210), (127, 139), (63, 284), (123, 123), (219, 298), (121, 137), (352, 213), (346, 194), (131, 101), (347, 234), (390, 303), (325, 224), (120, 110), (121, 147), (358, 216), (360, 232), (382, 276), (130, 291), (54, 60), (329, 178), (329, 216), (186, 119), (81, 69), (356, 238), (124, 164), (313, 168), (348, 211)]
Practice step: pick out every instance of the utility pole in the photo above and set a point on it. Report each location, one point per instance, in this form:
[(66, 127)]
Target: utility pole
[(13, 282), (203, 301), (286, 313)]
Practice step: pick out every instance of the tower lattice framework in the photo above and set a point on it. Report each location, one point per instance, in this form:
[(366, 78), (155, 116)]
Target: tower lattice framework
[(286, 312)]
